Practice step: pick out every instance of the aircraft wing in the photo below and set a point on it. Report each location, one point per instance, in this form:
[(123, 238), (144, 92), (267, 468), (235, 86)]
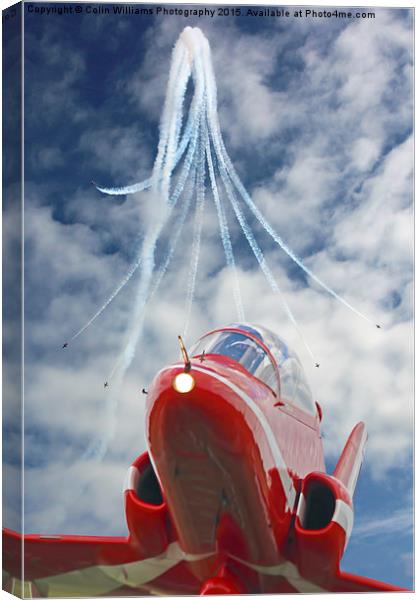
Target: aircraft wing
[(64, 565), (347, 582), (75, 566), (90, 566)]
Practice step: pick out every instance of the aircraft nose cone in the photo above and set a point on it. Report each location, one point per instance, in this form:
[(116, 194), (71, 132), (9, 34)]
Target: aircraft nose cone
[(205, 447)]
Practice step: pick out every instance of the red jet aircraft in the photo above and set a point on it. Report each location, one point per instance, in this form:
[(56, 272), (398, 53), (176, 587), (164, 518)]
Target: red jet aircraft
[(231, 497)]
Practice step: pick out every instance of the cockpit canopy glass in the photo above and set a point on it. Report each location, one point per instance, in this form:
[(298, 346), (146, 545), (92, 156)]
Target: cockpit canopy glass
[(242, 349), (238, 346), (294, 386)]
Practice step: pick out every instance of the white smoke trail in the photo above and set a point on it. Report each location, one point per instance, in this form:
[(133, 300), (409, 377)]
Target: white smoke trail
[(124, 360), (99, 447), (143, 292), (258, 252), (177, 63), (175, 234), (277, 238), (160, 186), (149, 244), (198, 227), (188, 162), (137, 319), (172, 202), (224, 234), (212, 90), (183, 178), (213, 125), (114, 294), (146, 184), (178, 54), (136, 264), (162, 176), (162, 172), (175, 123), (126, 190)]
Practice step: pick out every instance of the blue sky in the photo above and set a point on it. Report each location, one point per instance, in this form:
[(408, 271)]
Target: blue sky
[(317, 117)]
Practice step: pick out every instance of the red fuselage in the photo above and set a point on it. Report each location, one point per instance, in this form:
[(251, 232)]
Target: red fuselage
[(230, 456)]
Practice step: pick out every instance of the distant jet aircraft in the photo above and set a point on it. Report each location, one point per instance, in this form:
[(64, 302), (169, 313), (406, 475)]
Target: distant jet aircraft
[(105, 384), (65, 345), (231, 496)]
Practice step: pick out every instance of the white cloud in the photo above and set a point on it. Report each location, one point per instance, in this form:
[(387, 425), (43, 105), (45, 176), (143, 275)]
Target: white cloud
[(400, 522), (364, 153), (120, 151)]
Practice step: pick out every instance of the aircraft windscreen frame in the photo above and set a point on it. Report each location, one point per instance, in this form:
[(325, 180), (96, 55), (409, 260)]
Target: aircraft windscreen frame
[(294, 388), (242, 348)]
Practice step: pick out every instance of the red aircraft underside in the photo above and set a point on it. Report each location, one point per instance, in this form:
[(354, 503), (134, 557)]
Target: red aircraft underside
[(231, 496)]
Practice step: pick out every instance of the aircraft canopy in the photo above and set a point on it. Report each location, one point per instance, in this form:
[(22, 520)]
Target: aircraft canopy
[(234, 342)]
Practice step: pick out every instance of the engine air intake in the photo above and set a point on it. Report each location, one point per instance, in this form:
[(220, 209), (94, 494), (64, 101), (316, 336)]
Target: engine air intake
[(148, 488), (320, 506)]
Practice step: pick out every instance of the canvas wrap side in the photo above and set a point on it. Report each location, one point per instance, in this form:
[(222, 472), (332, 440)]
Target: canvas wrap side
[(12, 188)]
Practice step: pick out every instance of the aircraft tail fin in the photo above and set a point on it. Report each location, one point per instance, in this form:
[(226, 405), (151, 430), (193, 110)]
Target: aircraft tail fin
[(350, 461)]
